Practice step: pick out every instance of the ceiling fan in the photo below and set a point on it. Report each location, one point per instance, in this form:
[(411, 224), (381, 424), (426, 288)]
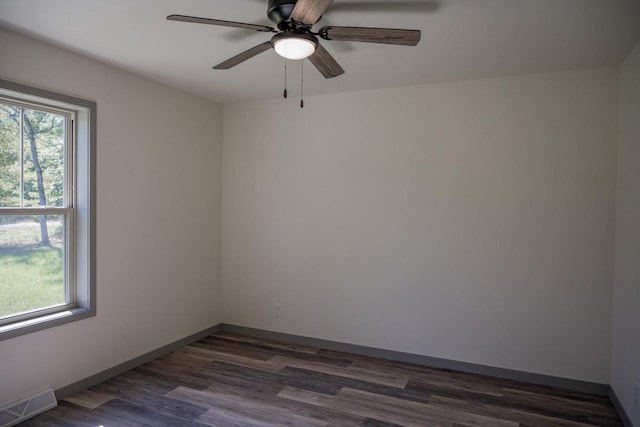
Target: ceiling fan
[(295, 39)]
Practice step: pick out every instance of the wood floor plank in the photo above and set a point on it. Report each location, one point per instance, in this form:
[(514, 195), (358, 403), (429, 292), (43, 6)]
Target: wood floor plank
[(567, 405), (123, 383), (534, 388), (378, 377), (370, 422), (220, 417), (515, 415), (235, 375), (233, 359), (392, 410), (49, 420), (264, 352), (70, 415), (189, 355), (379, 363), (236, 348), (506, 405), (163, 373), (331, 384), (123, 412), (163, 404), (276, 345), (89, 399), (434, 382), (241, 408)]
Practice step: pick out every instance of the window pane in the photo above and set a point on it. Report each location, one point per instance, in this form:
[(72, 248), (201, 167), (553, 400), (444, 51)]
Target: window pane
[(9, 156), (31, 271), (43, 134)]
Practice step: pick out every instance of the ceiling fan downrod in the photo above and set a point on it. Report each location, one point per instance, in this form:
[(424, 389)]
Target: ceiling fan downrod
[(279, 11)]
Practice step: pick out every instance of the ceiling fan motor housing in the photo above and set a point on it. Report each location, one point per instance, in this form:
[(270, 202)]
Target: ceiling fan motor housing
[(280, 10)]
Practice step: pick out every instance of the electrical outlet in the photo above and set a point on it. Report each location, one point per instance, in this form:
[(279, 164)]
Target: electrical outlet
[(636, 398), (277, 310)]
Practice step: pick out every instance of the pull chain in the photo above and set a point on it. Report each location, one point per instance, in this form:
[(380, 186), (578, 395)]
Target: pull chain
[(285, 78), (302, 84)]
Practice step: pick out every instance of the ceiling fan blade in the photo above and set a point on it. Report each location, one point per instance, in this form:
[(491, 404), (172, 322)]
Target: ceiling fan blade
[(371, 35), (310, 11), (386, 6), (247, 54), (325, 63), (237, 34), (195, 19)]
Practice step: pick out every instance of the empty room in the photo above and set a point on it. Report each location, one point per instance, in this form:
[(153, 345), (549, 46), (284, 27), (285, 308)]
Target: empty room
[(320, 213)]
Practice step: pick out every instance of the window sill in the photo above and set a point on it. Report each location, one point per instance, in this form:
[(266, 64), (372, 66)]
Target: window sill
[(16, 329)]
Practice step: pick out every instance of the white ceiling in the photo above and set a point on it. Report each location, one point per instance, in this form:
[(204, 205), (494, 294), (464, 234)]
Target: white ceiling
[(461, 39)]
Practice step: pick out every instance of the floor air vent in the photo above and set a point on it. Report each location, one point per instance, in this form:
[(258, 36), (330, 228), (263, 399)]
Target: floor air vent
[(28, 407)]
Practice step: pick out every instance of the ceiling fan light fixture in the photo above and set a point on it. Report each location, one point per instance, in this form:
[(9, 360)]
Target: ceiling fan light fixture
[(294, 46)]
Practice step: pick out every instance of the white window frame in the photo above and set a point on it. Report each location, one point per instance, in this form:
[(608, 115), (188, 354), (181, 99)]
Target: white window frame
[(78, 209)]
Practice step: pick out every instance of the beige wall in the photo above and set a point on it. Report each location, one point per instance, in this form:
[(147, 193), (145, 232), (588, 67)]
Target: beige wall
[(625, 367), (471, 220), (158, 220)]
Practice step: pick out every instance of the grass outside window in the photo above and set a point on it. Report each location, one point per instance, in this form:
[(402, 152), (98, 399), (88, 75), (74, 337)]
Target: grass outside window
[(31, 274)]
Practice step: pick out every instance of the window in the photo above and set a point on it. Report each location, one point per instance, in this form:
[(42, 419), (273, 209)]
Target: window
[(47, 209)]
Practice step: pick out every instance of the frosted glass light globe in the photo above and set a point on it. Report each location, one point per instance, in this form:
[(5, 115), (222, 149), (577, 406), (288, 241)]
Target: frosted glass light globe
[(294, 47)]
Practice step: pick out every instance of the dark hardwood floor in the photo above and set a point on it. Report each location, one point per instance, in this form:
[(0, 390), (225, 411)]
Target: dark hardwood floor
[(232, 380)]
